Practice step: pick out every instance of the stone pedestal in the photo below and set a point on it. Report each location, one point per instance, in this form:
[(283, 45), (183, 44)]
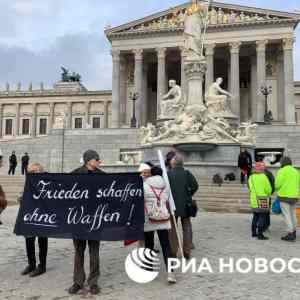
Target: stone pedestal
[(194, 73)]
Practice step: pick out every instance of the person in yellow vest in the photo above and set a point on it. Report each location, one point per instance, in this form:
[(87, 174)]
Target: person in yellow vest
[(287, 184), (260, 189)]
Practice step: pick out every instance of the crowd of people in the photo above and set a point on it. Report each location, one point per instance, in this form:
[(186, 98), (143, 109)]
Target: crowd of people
[(159, 218), (13, 163)]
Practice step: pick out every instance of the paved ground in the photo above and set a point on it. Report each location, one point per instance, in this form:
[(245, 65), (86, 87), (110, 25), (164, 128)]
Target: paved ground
[(216, 236)]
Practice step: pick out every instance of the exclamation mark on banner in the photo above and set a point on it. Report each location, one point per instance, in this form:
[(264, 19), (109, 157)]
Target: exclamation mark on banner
[(130, 215)]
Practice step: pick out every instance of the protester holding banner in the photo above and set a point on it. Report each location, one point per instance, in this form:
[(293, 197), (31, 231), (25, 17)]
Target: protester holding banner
[(91, 166), (157, 216), (31, 269), (183, 185)]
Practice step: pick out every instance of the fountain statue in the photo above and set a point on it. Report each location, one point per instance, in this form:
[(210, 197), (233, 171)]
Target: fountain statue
[(172, 103)]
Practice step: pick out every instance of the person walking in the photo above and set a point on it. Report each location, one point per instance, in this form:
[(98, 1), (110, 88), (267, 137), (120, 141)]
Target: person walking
[(157, 215), (245, 164), (183, 185), (91, 166), (3, 201), (25, 162), (287, 189), (31, 269), (260, 194), (13, 162)]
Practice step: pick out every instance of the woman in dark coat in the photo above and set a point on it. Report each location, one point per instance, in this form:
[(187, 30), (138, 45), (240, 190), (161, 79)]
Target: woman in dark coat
[(184, 186)]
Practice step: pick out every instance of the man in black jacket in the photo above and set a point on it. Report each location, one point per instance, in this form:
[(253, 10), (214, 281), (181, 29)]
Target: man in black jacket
[(12, 163), (245, 164), (91, 166), (25, 163)]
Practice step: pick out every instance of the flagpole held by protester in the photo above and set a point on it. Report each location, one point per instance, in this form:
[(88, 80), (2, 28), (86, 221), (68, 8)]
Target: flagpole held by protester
[(171, 199)]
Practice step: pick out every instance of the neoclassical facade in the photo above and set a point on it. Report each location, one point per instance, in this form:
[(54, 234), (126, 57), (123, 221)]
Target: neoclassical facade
[(247, 47), (32, 113)]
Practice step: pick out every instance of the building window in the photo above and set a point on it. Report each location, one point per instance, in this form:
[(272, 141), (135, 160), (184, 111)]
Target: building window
[(96, 122), (8, 126), (78, 123), (25, 126), (43, 126)]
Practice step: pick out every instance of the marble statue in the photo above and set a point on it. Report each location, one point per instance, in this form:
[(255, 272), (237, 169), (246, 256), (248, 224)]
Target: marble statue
[(148, 133), (213, 17), (193, 26), (220, 16), (172, 103), (217, 99), (247, 133)]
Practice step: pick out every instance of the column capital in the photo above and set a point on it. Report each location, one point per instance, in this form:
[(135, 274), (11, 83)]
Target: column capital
[(161, 52), (235, 47), (288, 43), (261, 45), (138, 54), (210, 49), (116, 54)]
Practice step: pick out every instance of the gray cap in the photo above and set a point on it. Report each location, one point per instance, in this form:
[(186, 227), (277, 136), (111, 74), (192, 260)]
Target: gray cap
[(89, 155)]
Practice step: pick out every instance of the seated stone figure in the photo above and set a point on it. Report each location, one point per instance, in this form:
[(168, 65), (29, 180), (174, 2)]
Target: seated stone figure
[(172, 103), (217, 99)]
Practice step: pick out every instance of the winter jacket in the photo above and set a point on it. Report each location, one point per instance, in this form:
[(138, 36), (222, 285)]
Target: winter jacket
[(287, 184), (13, 160), (245, 161), (85, 170), (158, 184), (183, 186), (259, 186)]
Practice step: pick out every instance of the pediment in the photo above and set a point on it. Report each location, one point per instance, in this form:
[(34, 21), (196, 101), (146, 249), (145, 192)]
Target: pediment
[(220, 15)]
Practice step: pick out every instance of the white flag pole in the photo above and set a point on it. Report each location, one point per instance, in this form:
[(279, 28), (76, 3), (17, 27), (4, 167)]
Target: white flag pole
[(171, 199)]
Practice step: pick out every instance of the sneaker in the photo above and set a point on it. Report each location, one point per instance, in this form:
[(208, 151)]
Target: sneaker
[(74, 289), (171, 278), (290, 237), (28, 270), (94, 289), (38, 271)]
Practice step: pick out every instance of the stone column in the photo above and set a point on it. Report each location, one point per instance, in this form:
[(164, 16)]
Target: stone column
[(17, 125), (69, 116), (123, 90), (261, 78), (280, 88), (87, 112), (183, 76), (161, 76), (51, 118), (116, 89), (1, 121), (33, 119), (209, 54), (289, 94), (106, 114), (235, 77), (138, 75), (254, 88)]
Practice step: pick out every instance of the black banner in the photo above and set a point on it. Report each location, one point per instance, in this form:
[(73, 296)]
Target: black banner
[(107, 207)]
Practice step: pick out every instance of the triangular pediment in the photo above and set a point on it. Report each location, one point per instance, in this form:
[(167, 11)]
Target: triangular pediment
[(220, 14)]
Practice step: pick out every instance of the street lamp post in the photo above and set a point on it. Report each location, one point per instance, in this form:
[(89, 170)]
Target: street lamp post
[(266, 91), (134, 97)]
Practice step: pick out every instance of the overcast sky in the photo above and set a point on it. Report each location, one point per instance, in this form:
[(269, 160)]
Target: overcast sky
[(38, 36)]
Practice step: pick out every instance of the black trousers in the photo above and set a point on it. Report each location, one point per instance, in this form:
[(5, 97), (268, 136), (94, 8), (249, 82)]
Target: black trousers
[(43, 250), (259, 223), (24, 169), (163, 236), (79, 274), (12, 170)]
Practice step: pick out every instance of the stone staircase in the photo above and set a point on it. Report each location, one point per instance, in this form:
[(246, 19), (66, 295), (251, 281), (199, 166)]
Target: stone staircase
[(230, 197)]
